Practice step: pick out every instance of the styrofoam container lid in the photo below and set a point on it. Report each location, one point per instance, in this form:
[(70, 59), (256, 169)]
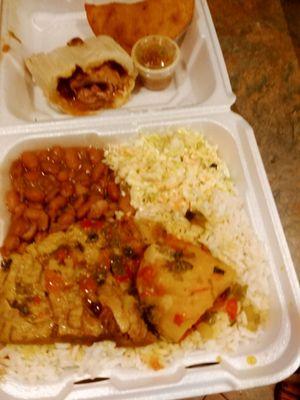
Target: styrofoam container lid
[(201, 80)]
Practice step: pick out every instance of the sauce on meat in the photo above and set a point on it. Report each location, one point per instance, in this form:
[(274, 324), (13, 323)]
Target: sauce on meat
[(75, 286), (94, 90)]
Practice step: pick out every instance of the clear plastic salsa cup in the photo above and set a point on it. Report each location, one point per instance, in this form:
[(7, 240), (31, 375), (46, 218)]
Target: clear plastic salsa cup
[(156, 58)]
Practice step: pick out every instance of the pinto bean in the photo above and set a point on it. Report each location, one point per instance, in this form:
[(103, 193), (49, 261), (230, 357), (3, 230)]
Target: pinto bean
[(19, 226), (96, 155), (32, 213), (19, 210), (99, 171), (83, 178), (36, 206), (84, 209), (50, 167), (66, 219), (113, 191), (78, 202), (29, 234), (63, 175), (86, 167), (98, 209), (67, 189), (53, 188), (80, 189), (110, 212), (39, 216), (11, 243), (57, 203), (42, 155), (16, 170), (32, 176), (43, 221), (12, 200), (103, 182), (30, 160), (52, 191), (34, 194), (71, 157), (57, 153)]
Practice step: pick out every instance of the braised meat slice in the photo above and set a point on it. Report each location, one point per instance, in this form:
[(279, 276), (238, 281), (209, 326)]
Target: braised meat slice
[(95, 89), (75, 286)]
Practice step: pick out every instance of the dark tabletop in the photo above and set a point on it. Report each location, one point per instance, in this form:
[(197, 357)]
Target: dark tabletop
[(260, 43), (264, 72)]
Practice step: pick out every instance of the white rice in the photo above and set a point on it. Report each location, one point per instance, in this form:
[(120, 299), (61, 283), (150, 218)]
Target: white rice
[(167, 176)]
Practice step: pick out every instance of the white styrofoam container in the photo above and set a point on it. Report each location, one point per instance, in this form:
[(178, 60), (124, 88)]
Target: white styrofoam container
[(43, 25), (278, 350)]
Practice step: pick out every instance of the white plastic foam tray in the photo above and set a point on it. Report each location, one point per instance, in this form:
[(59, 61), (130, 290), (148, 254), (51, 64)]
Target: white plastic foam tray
[(277, 350), (200, 98), (42, 25)]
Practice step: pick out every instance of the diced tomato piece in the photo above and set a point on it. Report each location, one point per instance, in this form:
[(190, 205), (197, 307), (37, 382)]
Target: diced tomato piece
[(146, 293), (174, 243), (86, 223), (61, 254), (88, 285), (122, 278), (179, 319), (127, 276), (149, 286), (129, 270), (36, 299), (98, 224), (53, 281), (146, 275), (159, 290), (104, 259), (232, 308), (152, 290), (155, 363), (132, 266)]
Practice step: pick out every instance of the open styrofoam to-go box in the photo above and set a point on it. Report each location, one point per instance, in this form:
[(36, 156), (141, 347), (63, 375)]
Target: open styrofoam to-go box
[(276, 350), (31, 26), (202, 102)]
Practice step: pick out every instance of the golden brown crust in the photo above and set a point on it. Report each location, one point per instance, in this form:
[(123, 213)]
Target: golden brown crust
[(127, 23)]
